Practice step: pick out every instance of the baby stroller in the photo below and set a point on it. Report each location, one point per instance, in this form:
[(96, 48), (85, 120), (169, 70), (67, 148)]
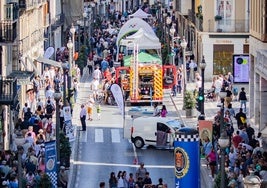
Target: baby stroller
[(209, 94)]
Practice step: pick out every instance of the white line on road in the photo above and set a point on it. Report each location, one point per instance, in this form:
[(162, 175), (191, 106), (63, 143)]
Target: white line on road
[(99, 135), (115, 136), (121, 165)]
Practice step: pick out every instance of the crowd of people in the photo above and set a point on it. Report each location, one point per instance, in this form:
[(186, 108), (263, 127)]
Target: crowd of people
[(245, 154), (141, 179)]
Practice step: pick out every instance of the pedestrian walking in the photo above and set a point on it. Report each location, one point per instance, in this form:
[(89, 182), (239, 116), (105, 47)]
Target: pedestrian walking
[(90, 105), (211, 157), (83, 117), (243, 99), (141, 172)]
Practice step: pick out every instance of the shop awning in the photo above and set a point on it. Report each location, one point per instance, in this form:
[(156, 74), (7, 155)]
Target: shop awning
[(48, 61), (23, 77)]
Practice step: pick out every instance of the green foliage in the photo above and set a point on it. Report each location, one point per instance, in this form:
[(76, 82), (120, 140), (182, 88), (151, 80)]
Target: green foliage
[(65, 149), (45, 182), (82, 59), (189, 100), (217, 181)]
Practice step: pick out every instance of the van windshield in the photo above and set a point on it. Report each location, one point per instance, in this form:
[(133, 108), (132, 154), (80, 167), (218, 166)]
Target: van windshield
[(175, 124)]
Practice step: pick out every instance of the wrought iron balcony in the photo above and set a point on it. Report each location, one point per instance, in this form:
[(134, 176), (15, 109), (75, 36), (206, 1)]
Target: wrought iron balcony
[(8, 31), (228, 26), (8, 90)]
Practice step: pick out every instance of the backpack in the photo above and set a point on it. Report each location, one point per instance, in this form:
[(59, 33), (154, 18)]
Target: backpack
[(49, 128), (49, 108)]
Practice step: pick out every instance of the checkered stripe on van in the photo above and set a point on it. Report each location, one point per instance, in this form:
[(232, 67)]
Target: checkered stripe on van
[(187, 138)]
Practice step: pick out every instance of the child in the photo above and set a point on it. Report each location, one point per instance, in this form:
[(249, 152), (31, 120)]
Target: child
[(98, 111)]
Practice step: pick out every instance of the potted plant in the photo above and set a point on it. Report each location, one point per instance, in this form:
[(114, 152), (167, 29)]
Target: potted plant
[(189, 104)]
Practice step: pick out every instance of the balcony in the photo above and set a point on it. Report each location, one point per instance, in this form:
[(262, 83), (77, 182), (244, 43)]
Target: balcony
[(30, 4), (57, 21), (8, 90), (11, 11), (8, 31), (228, 26)]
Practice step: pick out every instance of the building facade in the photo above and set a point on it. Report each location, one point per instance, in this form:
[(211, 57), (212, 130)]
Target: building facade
[(258, 68), (21, 41)]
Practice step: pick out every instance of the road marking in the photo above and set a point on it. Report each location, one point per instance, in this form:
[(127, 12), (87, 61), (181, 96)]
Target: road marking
[(115, 136), (122, 165), (99, 135)]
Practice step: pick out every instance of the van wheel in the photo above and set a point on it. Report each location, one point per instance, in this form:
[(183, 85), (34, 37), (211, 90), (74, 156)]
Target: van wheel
[(139, 142)]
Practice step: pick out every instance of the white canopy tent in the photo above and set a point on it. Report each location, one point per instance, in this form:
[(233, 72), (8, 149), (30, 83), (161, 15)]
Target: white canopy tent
[(143, 40), (140, 14)]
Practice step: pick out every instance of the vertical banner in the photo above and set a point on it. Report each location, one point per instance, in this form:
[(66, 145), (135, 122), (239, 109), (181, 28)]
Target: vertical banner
[(205, 130), (187, 164), (51, 162), (69, 128), (118, 96)]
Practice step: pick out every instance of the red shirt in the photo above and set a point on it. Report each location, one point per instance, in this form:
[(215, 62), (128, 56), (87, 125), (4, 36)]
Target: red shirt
[(236, 140)]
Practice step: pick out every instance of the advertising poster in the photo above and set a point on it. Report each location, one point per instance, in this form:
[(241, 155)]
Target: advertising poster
[(241, 68), (51, 162), (205, 129), (70, 130)]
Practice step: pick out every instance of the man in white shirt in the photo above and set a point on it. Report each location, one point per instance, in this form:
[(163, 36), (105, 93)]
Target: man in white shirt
[(97, 74), (95, 87), (83, 117)]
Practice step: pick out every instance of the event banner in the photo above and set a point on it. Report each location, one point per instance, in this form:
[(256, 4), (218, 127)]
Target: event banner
[(69, 128), (187, 164), (117, 94), (51, 162), (205, 130), (241, 69)]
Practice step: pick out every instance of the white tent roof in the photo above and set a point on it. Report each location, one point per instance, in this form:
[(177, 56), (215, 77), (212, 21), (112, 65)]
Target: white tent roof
[(143, 40), (140, 14), (133, 25)]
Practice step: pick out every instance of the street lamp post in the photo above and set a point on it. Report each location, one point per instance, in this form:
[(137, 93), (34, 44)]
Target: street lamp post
[(57, 97), (223, 140), (202, 66), (70, 46), (184, 45), (172, 31), (168, 22), (85, 28), (72, 30)]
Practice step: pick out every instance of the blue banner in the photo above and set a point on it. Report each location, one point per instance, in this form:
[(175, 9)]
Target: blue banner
[(187, 164), (51, 162)]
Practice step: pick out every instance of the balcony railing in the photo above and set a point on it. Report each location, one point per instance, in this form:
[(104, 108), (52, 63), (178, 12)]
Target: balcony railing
[(228, 26), (8, 31), (8, 90), (57, 21), (30, 4), (11, 11)]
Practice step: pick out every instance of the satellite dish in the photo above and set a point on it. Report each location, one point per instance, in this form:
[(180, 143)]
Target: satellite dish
[(49, 52)]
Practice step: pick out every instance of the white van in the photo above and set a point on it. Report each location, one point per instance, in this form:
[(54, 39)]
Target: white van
[(155, 131)]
